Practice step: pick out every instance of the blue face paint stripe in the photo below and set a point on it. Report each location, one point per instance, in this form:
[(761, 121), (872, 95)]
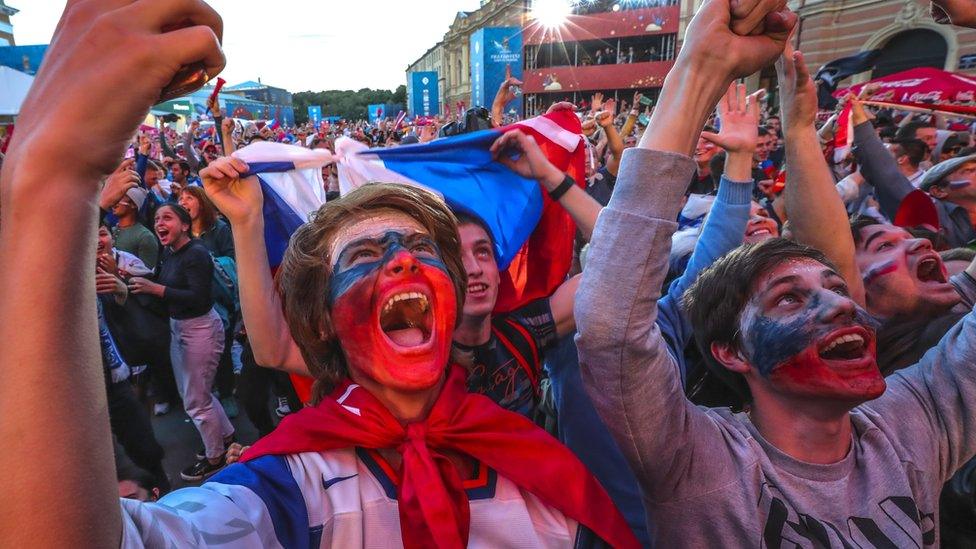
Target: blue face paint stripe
[(773, 342), (344, 279)]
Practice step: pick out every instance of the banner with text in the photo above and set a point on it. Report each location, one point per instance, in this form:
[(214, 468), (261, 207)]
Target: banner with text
[(493, 48)]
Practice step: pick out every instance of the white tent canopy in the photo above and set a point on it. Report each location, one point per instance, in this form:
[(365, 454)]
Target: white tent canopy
[(14, 86)]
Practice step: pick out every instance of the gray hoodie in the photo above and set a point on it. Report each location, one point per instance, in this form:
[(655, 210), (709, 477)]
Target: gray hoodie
[(708, 477)]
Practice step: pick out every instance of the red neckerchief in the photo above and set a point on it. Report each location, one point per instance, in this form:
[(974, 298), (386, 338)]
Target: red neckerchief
[(433, 506)]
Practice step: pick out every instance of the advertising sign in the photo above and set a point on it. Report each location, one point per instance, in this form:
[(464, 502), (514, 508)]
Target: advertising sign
[(315, 113), (492, 49), (424, 99)]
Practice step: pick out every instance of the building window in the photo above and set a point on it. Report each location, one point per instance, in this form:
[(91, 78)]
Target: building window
[(910, 49)]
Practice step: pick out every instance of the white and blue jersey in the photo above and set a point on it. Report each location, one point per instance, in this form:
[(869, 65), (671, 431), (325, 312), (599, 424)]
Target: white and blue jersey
[(338, 498)]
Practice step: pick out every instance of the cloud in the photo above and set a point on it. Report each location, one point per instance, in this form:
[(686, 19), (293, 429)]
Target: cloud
[(303, 44)]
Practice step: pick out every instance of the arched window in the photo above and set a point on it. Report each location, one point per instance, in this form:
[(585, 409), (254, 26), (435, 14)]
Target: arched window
[(459, 72), (910, 49)]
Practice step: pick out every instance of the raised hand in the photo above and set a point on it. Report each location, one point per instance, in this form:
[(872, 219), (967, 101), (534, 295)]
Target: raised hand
[(97, 48), (713, 56), (955, 12), (739, 114), (117, 184), (523, 156), (798, 94), (505, 93), (238, 199), (145, 144), (711, 42), (596, 102)]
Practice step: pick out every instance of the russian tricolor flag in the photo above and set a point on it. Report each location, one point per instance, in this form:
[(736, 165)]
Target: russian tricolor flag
[(533, 235)]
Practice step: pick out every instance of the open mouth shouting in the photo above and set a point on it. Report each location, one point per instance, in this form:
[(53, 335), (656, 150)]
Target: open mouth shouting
[(849, 344), (392, 304), (163, 234), (406, 319), (931, 269)]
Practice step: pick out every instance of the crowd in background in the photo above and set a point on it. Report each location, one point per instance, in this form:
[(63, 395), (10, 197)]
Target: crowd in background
[(897, 214)]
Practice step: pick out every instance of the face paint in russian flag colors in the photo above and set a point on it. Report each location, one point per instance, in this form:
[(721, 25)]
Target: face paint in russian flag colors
[(803, 333), (392, 301)]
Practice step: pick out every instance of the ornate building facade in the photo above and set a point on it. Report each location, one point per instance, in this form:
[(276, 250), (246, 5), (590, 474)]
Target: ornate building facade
[(902, 29)]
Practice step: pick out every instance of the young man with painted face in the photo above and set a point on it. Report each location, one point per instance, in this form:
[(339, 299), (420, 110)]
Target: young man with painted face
[(810, 463), (465, 471), (951, 184), (504, 353)]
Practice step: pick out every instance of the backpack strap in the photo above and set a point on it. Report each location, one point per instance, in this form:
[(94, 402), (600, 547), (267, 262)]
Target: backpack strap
[(520, 343)]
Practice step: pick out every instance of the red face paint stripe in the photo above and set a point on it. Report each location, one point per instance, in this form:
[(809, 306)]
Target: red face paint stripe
[(877, 272)]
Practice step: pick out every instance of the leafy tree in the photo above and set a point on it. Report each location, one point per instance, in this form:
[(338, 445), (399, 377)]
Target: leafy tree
[(349, 104)]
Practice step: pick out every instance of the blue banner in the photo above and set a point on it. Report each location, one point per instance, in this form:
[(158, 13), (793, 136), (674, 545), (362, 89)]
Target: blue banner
[(315, 114), (377, 111), (492, 49), (424, 97)]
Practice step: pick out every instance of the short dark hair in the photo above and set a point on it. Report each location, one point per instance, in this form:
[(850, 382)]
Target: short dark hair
[(180, 212), (184, 165), (716, 299), (858, 222), (914, 149), (909, 130), (716, 165), (465, 218)]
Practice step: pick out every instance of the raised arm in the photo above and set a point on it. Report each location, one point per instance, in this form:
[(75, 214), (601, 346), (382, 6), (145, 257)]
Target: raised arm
[(878, 166), (504, 95), (533, 164), (241, 201), (725, 226), (614, 141), (191, 155), (625, 364), (815, 210), (62, 491)]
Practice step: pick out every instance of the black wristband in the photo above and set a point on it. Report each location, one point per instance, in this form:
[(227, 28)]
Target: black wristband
[(562, 189)]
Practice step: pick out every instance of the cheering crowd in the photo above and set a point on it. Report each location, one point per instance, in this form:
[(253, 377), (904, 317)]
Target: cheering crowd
[(762, 340)]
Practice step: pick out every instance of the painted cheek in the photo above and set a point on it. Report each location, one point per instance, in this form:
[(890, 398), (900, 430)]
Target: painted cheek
[(774, 342), (351, 315), (342, 281), (445, 300), (879, 271)]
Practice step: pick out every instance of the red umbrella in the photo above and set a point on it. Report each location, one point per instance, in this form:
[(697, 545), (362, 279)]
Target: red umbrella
[(922, 88)]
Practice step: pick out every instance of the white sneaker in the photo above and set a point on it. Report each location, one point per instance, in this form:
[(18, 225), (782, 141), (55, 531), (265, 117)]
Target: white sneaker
[(283, 408), (160, 408)]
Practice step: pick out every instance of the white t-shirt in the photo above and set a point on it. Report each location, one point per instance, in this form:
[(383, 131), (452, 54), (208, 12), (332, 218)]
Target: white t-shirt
[(340, 498)]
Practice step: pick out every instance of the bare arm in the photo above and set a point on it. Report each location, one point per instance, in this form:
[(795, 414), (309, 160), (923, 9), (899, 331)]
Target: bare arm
[(811, 189), (241, 201), (50, 500), (614, 141), (561, 304), (533, 164)]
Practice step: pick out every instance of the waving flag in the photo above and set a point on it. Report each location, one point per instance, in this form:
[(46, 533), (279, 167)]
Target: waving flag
[(533, 235), (291, 182)]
